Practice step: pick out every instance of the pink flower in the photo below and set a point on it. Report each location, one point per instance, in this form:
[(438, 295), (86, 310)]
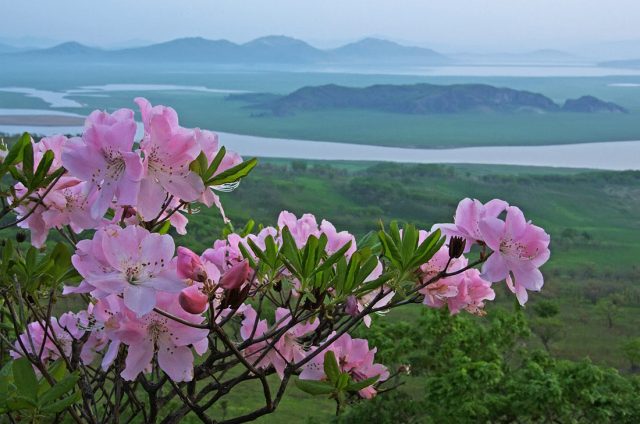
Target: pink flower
[(236, 276), (472, 292), (354, 357), (189, 265), (301, 229), (467, 219), (193, 300), (519, 248), (287, 349), (335, 239), (65, 204), (59, 337), (104, 159), (437, 293), (156, 334), (131, 262), (169, 150)]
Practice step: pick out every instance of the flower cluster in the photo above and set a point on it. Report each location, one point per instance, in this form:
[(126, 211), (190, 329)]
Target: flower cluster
[(154, 306)]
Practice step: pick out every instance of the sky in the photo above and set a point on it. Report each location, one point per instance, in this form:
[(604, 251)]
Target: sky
[(453, 25)]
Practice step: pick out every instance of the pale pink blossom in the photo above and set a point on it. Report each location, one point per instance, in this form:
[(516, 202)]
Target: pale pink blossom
[(519, 249), (131, 262), (153, 334), (467, 219), (168, 151), (103, 158), (354, 357)]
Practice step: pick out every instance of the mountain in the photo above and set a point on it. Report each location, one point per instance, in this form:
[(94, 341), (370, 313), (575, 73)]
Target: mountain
[(630, 63), (193, 49), (375, 50), (5, 48), (590, 104), (281, 49), (421, 99), (66, 50)]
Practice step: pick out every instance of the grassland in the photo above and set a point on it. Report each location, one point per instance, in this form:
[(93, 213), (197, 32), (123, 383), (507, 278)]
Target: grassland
[(212, 110)]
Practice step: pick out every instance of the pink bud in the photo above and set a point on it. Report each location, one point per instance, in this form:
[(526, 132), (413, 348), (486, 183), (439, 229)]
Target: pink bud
[(193, 300), (190, 265), (351, 306), (236, 275)]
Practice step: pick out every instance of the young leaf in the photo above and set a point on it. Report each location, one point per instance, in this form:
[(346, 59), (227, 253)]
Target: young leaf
[(15, 153), (215, 163), (314, 387), (331, 368), (333, 259), (359, 385), (233, 174), (61, 405)]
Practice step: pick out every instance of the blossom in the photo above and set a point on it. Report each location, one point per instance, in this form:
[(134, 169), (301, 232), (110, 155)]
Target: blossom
[(153, 333), (104, 159), (287, 349), (300, 229), (353, 357), (472, 291), (53, 339), (519, 248), (169, 150), (193, 300), (469, 214), (437, 292), (131, 262)]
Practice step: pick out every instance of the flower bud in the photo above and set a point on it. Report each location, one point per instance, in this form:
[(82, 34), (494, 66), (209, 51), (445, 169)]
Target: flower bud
[(456, 247), (21, 236), (190, 266), (235, 276), (351, 306), (193, 300)]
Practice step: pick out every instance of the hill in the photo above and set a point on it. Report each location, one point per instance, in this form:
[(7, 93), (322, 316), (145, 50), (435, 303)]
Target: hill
[(274, 49), (376, 50), (420, 99)]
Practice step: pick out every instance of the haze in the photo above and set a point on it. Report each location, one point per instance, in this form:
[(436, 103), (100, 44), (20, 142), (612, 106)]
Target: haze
[(453, 25)]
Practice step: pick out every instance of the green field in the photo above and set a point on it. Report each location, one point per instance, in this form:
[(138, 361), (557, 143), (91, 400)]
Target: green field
[(213, 111), (592, 218)]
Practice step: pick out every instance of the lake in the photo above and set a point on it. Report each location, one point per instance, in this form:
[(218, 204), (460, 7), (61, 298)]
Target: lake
[(620, 155)]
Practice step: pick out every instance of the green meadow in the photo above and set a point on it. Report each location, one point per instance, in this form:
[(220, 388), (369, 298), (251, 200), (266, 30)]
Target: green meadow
[(214, 111)]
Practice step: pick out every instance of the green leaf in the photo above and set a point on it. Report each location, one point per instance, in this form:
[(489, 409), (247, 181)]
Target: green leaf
[(199, 165), (333, 259), (19, 402), (233, 174), (314, 387), (61, 405), (343, 381), (331, 367), (61, 387), (43, 168), (25, 378), (359, 385), (15, 153), (27, 161), (165, 227), (215, 163)]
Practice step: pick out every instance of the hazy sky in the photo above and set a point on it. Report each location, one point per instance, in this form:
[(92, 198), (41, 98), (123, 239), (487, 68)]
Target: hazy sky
[(450, 24)]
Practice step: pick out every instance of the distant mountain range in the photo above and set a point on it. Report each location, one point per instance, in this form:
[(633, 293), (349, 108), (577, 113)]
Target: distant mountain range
[(420, 99), (270, 49)]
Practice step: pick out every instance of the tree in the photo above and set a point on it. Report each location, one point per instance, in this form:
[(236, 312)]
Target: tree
[(154, 335)]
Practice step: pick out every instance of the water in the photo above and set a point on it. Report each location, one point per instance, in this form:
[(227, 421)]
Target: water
[(620, 155), (53, 98)]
